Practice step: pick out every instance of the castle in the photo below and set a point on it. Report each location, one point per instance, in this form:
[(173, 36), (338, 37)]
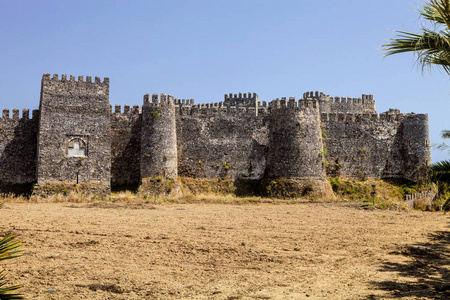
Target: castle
[(76, 139)]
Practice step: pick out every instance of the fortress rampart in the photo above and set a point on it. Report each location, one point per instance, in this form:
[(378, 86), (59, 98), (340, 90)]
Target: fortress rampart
[(18, 147), (76, 136)]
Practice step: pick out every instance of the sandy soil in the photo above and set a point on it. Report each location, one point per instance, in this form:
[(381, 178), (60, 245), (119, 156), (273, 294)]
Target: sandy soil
[(203, 251)]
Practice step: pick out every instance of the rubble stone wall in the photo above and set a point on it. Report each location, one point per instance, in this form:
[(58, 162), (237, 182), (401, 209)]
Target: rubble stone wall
[(18, 146), (126, 131), (75, 137)]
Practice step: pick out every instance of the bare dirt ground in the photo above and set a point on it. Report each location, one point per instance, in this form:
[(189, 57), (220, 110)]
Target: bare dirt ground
[(204, 251)]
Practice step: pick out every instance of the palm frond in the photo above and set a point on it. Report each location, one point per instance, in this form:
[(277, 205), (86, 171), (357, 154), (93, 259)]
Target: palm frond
[(431, 46), (441, 171), (442, 146), (5, 290), (437, 11), (446, 204), (445, 134), (7, 245), (7, 251)]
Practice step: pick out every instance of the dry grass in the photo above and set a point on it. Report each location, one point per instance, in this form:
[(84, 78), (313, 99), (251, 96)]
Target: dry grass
[(12, 198), (420, 204), (220, 199), (389, 195), (71, 197), (126, 196), (130, 197)]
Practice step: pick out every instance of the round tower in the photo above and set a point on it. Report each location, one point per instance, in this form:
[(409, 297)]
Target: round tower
[(296, 152), (417, 148), (159, 138)]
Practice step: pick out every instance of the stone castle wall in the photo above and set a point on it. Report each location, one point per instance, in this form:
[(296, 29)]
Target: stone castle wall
[(18, 146), (74, 139), (241, 138), (372, 146), (126, 131), (219, 141)]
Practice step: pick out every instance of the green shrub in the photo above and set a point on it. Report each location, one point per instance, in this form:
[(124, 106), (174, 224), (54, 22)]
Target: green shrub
[(156, 114)]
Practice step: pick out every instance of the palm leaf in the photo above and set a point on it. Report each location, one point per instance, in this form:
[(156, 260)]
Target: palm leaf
[(5, 290), (446, 205), (431, 46), (7, 251), (442, 146), (445, 134), (7, 245), (437, 11), (440, 171)]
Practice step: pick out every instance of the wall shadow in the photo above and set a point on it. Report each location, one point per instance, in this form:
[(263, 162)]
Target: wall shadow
[(125, 154), (427, 270), (18, 150)]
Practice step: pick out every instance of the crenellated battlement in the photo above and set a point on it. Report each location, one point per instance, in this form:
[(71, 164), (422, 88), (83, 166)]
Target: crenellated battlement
[(241, 99), (159, 100), (219, 109), (184, 101), (97, 80), (321, 96), (313, 95), (15, 114), (258, 108), (136, 109), (293, 104), (331, 104)]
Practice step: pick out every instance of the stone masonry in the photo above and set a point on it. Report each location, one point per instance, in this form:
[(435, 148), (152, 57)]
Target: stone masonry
[(76, 138)]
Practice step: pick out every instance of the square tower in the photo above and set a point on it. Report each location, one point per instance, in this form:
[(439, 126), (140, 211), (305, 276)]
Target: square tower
[(74, 140)]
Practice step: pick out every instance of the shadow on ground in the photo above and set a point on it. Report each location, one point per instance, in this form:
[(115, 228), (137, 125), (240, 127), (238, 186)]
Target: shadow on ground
[(425, 274)]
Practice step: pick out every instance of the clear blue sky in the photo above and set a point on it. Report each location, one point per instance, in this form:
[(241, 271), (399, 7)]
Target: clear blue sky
[(204, 49)]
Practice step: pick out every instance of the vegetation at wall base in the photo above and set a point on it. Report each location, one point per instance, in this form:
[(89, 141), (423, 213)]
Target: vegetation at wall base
[(440, 174), (390, 192)]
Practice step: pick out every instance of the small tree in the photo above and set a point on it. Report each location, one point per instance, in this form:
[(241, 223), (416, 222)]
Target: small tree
[(440, 172), (431, 46)]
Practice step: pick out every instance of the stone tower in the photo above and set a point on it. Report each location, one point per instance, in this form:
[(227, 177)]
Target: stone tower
[(159, 138), (74, 139), (295, 144), (417, 147)]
